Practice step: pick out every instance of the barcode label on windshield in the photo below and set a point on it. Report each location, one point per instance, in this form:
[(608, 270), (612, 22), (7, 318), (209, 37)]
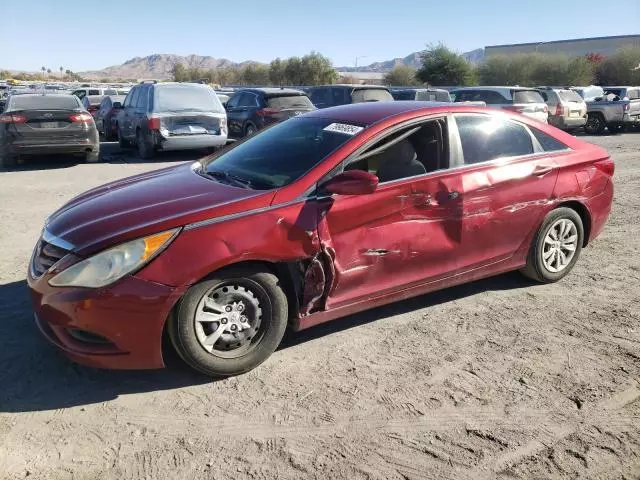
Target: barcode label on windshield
[(343, 128)]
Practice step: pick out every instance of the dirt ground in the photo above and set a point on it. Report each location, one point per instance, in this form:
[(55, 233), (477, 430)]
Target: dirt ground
[(500, 378)]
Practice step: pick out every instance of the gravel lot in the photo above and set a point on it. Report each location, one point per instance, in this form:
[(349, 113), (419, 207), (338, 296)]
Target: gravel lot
[(496, 379)]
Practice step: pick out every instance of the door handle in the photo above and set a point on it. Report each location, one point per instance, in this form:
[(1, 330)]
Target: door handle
[(541, 170), (376, 252), (453, 195)]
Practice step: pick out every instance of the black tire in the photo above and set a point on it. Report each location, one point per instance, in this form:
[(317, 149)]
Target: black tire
[(273, 323), (595, 124), (7, 160), (122, 142), (250, 130), (535, 268), (145, 148), (92, 157)]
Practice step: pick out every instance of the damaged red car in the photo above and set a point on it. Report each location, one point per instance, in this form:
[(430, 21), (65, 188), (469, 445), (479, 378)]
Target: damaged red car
[(326, 214)]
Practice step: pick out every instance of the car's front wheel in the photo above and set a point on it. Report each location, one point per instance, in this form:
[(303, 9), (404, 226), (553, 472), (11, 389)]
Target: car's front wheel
[(145, 147), (556, 246), (230, 323)]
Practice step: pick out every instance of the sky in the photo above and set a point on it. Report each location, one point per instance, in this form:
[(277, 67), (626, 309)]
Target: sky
[(89, 35)]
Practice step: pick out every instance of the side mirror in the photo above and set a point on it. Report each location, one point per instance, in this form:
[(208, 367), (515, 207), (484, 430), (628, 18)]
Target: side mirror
[(352, 182), (117, 105)]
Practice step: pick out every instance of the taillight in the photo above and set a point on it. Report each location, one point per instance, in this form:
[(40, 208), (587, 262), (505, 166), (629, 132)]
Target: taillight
[(81, 117), (13, 118), (606, 166), (559, 110), (153, 123), (626, 107), (267, 112)]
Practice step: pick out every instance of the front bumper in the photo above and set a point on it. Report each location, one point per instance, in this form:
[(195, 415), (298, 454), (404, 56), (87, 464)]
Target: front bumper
[(116, 327), (189, 142)]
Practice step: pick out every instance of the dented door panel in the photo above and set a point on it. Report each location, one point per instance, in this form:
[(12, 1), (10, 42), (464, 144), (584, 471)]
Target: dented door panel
[(501, 203)]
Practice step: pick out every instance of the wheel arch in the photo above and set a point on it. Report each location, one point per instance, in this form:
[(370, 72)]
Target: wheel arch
[(584, 214)]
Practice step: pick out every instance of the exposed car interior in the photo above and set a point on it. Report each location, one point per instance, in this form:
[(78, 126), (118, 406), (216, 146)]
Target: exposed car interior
[(412, 151)]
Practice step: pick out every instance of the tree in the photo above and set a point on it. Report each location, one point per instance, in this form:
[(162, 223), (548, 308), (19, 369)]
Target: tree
[(255, 74), (316, 69), (293, 71), (621, 68), (48, 72), (444, 67), (180, 73), (400, 76), (43, 70), (61, 70), (277, 74)]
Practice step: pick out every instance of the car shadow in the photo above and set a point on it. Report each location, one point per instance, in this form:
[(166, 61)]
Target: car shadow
[(36, 377)]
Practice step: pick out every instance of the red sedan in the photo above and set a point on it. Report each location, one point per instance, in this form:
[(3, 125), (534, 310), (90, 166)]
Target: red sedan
[(324, 215)]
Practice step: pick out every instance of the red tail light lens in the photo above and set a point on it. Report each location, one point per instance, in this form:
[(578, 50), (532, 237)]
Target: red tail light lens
[(626, 107), (606, 166), (13, 118), (81, 117), (267, 112), (559, 110), (153, 123)]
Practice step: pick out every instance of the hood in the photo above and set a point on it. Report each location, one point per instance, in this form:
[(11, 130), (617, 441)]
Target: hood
[(146, 204)]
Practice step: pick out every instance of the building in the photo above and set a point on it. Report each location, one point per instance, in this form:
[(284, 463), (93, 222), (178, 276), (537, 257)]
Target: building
[(574, 48)]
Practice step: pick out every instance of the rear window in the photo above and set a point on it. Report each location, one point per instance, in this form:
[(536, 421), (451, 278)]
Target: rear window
[(490, 97), (186, 97), (290, 101), (32, 102), (527, 96), (433, 96), (94, 92), (110, 91), (404, 95), (569, 96), (371, 95)]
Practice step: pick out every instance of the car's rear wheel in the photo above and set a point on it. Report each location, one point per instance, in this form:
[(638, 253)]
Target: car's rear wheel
[(145, 147), (250, 130), (556, 246), (230, 323), (7, 160), (92, 157), (122, 142), (595, 124)]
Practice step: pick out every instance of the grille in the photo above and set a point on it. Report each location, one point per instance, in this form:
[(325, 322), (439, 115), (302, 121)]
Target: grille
[(45, 256)]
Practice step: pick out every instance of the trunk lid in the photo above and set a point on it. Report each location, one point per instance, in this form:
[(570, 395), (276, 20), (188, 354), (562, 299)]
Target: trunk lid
[(190, 123)]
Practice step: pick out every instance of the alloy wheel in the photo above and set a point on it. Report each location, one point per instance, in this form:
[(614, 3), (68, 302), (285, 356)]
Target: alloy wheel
[(560, 244)]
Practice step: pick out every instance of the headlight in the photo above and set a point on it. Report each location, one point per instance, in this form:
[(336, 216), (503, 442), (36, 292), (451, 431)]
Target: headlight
[(106, 267)]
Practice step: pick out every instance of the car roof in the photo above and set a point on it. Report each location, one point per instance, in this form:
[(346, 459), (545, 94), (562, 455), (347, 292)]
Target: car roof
[(368, 113), (350, 85), (272, 91), (495, 88)]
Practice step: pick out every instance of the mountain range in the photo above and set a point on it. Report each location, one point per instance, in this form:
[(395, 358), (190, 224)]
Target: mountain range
[(160, 65)]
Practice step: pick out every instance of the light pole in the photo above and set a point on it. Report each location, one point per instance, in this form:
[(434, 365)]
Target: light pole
[(358, 58)]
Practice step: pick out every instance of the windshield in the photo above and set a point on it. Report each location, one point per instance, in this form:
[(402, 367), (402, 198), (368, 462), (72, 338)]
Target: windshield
[(283, 153), (371, 95), (30, 102), (186, 97), (569, 96), (291, 101), (527, 96), (428, 96)]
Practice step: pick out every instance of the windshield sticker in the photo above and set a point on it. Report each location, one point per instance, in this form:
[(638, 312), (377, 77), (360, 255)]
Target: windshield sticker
[(343, 128)]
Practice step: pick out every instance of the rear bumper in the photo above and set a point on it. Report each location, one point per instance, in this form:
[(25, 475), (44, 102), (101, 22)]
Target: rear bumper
[(567, 122), (600, 208), (40, 148), (635, 118), (187, 142)]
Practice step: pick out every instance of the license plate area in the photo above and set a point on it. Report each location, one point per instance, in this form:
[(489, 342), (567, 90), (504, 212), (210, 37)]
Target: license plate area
[(49, 125), (574, 113)]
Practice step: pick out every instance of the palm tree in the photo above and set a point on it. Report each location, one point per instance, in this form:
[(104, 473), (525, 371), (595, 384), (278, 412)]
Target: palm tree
[(61, 70), (43, 69), (48, 72)]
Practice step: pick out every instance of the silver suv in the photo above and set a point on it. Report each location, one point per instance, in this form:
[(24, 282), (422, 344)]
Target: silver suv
[(527, 101), (567, 109)]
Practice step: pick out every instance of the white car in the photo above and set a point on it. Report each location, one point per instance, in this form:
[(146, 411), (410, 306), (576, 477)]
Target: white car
[(526, 101)]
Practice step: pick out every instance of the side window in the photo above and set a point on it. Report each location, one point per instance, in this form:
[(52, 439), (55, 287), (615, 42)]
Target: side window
[(80, 94), (141, 104), (633, 94), (338, 97), (233, 101), (544, 95), (127, 99), (547, 142), (248, 100), (321, 97), (485, 138), (135, 93), (415, 150)]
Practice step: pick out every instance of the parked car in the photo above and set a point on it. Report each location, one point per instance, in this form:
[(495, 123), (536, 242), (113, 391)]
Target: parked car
[(91, 103), (334, 95), (609, 111), (252, 109), (36, 124), (589, 93), (567, 109), (318, 217), (107, 114), (421, 94), (94, 91), (171, 116), (526, 101)]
